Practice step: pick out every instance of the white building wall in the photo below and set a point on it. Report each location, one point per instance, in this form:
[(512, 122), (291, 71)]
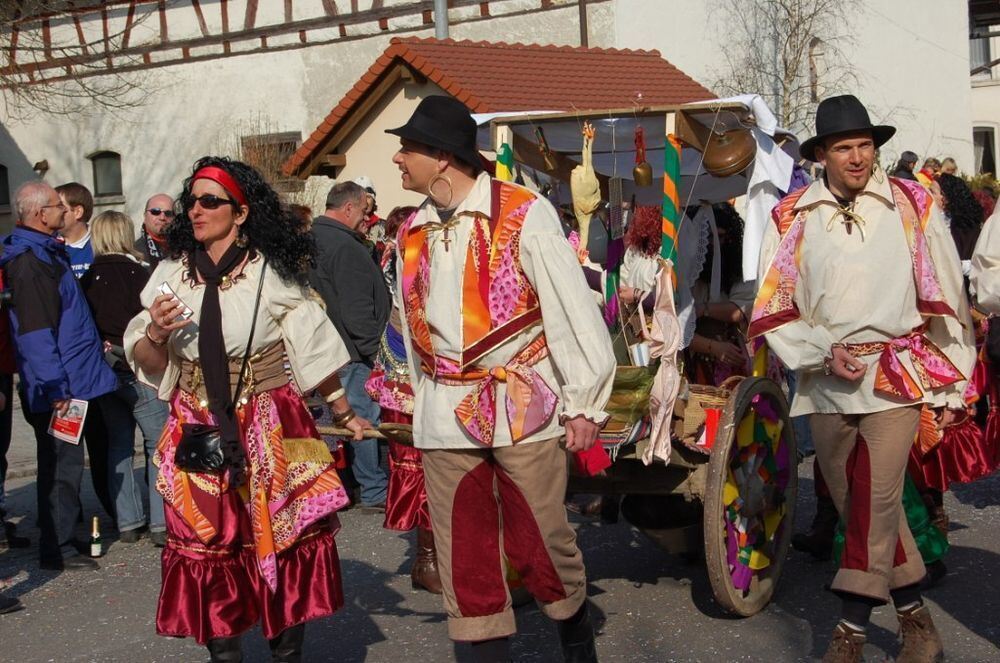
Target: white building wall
[(199, 107)]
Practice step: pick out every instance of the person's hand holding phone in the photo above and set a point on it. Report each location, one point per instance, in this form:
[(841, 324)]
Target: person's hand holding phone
[(167, 313)]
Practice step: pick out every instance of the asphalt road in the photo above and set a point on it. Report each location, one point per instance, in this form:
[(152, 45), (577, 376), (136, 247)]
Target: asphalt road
[(651, 606)]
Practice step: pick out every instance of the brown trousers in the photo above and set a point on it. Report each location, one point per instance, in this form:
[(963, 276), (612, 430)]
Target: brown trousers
[(492, 504), (863, 458)]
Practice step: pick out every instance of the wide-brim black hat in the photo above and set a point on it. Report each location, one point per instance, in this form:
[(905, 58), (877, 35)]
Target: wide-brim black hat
[(443, 123), (841, 115)]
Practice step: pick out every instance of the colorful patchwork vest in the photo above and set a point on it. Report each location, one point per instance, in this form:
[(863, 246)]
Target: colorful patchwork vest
[(775, 307), (497, 303)]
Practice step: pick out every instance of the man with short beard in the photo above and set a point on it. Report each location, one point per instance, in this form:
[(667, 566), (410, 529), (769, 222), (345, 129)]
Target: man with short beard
[(861, 294), (159, 211)]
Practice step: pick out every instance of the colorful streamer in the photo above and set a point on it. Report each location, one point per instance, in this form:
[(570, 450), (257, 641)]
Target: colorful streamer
[(671, 198), (505, 163)]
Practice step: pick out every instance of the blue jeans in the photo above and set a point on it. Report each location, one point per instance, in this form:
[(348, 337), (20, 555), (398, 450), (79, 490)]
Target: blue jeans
[(365, 466), (133, 403)]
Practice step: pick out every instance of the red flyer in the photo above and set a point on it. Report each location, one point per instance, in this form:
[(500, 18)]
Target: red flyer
[(69, 427)]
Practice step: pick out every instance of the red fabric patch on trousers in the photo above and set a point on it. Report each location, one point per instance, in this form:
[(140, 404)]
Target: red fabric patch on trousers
[(523, 543), (859, 485), (476, 571)]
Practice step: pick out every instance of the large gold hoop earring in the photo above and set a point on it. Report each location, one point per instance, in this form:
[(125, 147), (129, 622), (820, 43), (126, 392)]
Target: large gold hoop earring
[(451, 192)]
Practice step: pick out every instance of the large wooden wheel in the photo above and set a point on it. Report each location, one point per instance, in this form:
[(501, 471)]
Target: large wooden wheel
[(750, 497)]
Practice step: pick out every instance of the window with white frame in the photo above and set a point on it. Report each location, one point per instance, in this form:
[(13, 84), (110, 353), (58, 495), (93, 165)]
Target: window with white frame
[(984, 149)]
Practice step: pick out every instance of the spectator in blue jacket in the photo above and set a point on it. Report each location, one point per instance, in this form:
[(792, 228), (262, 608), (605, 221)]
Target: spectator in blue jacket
[(59, 358)]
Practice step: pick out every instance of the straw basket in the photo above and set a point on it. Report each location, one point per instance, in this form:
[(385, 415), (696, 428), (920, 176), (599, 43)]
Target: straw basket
[(705, 397)]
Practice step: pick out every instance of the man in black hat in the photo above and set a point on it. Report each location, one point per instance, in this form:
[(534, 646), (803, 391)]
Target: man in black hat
[(861, 294), (508, 354), (904, 167)]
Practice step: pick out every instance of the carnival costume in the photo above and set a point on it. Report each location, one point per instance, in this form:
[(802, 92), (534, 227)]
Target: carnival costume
[(487, 396), (255, 542), (879, 277)]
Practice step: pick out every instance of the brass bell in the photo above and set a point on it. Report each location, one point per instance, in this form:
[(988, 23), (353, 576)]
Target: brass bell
[(642, 174)]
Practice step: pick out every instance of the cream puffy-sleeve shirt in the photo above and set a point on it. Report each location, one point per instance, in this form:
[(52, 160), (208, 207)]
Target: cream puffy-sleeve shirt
[(288, 312), (858, 287), (580, 367), (984, 279)]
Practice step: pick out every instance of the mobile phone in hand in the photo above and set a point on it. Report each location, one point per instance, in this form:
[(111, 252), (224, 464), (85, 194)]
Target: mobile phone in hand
[(165, 289)]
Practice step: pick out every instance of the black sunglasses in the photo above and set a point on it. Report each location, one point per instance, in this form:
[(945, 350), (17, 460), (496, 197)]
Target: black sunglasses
[(207, 201), (157, 211)]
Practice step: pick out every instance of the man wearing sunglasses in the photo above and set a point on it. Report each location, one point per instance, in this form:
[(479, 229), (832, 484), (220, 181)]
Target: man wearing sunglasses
[(159, 211)]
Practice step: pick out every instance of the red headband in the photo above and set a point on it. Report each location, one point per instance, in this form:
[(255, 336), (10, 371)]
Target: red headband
[(224, 179)]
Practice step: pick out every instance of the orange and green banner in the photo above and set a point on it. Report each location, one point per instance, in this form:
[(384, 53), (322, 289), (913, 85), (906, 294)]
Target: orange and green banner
[(671, 197)]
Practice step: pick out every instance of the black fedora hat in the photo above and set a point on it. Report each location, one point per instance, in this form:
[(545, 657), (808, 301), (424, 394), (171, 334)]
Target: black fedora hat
[(443, 123), (841, 115)]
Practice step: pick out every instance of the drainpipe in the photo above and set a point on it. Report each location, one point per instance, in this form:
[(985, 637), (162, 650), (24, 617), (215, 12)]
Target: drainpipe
[(441, 19), (584, 41)]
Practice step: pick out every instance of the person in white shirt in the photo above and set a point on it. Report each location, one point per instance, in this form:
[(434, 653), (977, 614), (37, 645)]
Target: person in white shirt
[(507, 353), (861, 294)]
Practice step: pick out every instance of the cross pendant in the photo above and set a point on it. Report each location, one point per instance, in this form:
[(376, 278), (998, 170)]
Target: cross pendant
[(445, 239)]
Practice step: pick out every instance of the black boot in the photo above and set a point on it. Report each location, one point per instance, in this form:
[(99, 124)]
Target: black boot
[(225, 650), (577, 637), (818, 541), (496, 650), (10, 539), (287, 647)]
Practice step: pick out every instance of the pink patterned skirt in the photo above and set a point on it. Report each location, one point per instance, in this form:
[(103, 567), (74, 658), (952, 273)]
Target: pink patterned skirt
[(255, 546)]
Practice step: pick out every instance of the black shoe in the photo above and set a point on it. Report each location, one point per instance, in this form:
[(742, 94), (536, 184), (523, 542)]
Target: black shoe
[(936, 571), (131, 535), (10, 539), (158, 539), (818, 541), (225, 650), (9, 604), (74, 563), (576, 635)]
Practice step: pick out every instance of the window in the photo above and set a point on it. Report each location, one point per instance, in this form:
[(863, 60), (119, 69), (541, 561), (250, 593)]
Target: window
[(4, 189), (979, 56), (817, 68), (268, 153), (984, 149), (107, 174)]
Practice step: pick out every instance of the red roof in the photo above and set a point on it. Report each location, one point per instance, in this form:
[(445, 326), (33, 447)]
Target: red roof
[(499, 77)]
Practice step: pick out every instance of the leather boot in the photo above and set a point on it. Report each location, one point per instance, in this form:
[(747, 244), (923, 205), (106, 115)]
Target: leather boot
[(424, 573), (921, 641), (225, 650), (846, 646), (576, 635), (818, 541), (287, 647), (937, 514)]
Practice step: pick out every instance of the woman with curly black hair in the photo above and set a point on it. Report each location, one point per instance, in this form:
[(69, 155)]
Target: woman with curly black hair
[(964, 213), (232, 337)]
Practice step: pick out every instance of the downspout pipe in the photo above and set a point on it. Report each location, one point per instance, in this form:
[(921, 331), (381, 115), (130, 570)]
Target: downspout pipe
[(441, 19)]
